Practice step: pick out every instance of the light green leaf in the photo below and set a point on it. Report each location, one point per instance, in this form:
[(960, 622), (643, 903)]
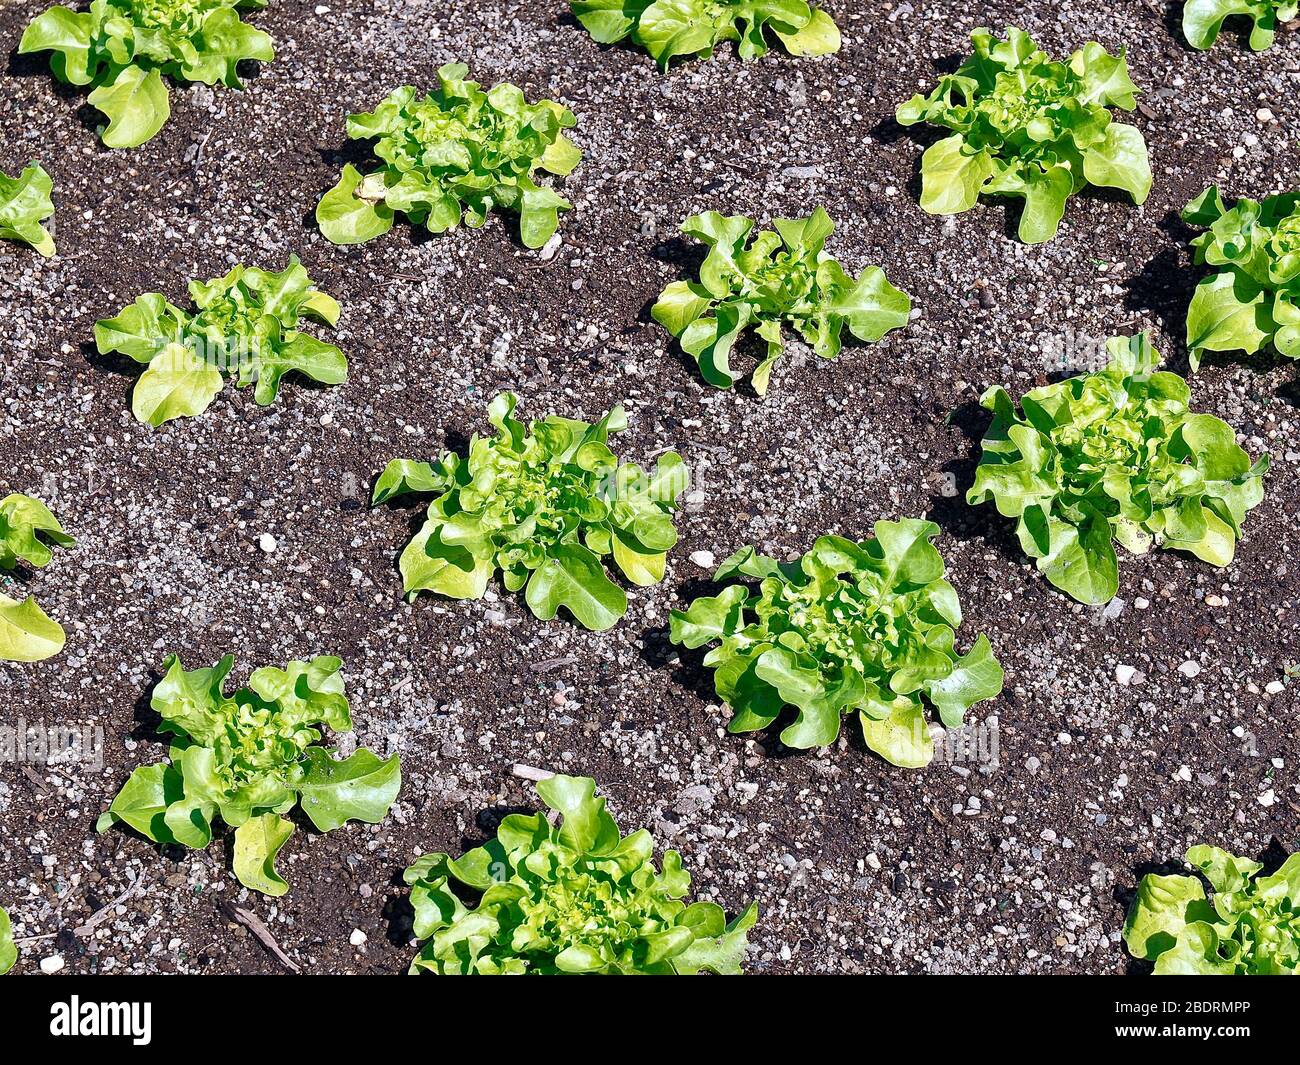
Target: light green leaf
[(176, 384), (1121, 162), (68, 34), (143, 801), (901, 738), (975, 677), (24, 204), (27, 634), (953, 176), (257, 842), (353, 213), (359, 788), (135, 104), (8, 952), (572, 577)]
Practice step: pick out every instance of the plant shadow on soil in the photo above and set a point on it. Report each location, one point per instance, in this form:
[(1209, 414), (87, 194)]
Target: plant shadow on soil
[(951, 512), (1271, 858)]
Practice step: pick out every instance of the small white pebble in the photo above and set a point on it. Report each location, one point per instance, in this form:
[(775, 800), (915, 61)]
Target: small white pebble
[(1190, 669), (1141, 603), (1264, 115), (1124, 674), (54, 963), (358, 937), (1184, 773), (1266, 798), (703, 559), (267, 543), (1274, 687), (1063, 738)]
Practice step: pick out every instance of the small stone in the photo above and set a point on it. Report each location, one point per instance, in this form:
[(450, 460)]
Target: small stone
[(1213, 600), (54, 964), (358, 937), (1190, 669), (873, 862), (1124, 674), (550, 248), (1275, 687), (1141, 603), (1264, 115), (1184, 773), (1266, 798), (267, 543), (703, 559)]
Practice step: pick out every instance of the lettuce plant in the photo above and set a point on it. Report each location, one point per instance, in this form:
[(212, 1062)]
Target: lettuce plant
[(453, 154), (780, 277), (123, 48), (244, 326), (543, 503), (1114, 455), (1202, 19), (8, 951), (27, 528), (672, 28), (1026, 126), (1253, 297), (573, 897), (850, 627), (1251, 928), (250, 758), (25, 203)]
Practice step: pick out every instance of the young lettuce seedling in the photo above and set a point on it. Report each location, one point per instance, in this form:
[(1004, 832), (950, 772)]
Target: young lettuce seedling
[(1203, 19), (249, 759), (1114, 455), (123, 48), (850, 628), (572, 897), (24, 204), (669, 29), (543, 503), (27, 633), (780, 277), (453, 154), (1249, 929), (1253, 297), (1026, 126), (245, 327)]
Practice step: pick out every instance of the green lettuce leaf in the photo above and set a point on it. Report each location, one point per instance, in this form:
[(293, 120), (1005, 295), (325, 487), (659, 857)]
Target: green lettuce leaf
[(453, 155), (27, 529), (123, 49), (573, 896), (672, 29), (25, 203), (8, 952), (545, 503), (244, 326), (1114, 455), (866, 628), (1027, 126), (1252, 299), (781, 276), (248, 759), (1203, 19), (1248, 929)]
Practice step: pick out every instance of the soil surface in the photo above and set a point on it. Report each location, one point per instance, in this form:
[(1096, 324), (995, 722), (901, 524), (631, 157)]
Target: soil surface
[(1020, 865)]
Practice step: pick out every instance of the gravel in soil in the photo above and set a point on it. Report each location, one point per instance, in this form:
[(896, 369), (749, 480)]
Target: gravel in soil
[(1022, 865)]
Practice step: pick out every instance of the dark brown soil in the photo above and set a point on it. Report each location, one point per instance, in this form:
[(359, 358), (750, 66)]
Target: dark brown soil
[(857, 866)]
